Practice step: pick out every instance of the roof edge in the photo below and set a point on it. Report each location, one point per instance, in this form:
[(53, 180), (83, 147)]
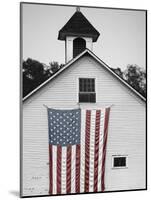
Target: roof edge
[(62, 36)]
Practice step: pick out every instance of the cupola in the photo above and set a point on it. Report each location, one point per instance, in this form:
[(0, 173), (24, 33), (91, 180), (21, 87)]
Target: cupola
[(78, 34)]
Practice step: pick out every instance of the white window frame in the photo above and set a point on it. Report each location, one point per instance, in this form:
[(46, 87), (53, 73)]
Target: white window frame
[(120, 167), (96, 88)]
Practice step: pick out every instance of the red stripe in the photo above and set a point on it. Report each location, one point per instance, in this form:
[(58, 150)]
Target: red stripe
[(87, 149), (59, 157), (50, 169), (96, 151), (68, 177), (77, 168), (107, 111)]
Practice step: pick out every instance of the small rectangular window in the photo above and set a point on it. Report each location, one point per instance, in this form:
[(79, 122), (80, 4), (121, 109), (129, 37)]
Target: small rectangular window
[(87, 90), (119, 161)]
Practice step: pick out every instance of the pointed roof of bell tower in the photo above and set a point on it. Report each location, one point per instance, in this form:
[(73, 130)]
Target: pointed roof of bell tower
[(78, 25)]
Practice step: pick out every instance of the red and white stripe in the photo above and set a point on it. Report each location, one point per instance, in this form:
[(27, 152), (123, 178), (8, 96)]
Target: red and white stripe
[(64, 170), (81, 168)]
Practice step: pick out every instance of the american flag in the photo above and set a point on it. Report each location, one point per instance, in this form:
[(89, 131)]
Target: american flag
[(77, 150)]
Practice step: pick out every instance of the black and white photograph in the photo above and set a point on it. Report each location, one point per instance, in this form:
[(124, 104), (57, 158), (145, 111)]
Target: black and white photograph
[(83, 99)]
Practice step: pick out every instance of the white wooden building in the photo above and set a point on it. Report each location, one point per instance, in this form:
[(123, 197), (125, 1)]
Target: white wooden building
[(68, 88)]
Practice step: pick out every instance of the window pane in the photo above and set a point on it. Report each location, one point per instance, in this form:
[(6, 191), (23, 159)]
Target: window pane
[(92, 97), (86, 85), (119, 161), (80, 85)]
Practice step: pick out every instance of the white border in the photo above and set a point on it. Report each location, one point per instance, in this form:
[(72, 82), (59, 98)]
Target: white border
[(9, 181)]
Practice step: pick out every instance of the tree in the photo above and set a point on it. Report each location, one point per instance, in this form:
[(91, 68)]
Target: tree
[(35, 73), (118, 71), (136, 77), (54, 66)]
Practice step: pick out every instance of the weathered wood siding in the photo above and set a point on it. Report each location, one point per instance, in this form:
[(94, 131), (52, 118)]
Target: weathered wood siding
[(126, 127)]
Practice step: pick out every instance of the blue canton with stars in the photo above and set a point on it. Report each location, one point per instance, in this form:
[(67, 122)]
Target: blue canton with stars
[(64, 126)]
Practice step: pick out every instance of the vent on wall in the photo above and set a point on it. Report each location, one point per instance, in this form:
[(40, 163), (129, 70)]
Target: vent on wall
[(119, 161), (87, 97)]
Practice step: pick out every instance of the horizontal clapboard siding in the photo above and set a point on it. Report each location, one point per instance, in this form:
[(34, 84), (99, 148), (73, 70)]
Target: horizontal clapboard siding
[(126, 127)]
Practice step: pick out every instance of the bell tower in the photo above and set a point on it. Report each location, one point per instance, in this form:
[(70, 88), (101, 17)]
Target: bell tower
[(78, 34)]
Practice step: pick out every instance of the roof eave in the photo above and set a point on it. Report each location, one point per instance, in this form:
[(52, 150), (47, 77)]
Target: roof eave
[(63, 35)]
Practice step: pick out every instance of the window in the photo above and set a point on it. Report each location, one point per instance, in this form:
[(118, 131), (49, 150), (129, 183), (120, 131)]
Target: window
[(87, 90), (119, 162), (79, 45)]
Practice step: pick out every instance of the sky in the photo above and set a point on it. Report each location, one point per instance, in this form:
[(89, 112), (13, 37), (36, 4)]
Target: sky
[(121, 42)]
